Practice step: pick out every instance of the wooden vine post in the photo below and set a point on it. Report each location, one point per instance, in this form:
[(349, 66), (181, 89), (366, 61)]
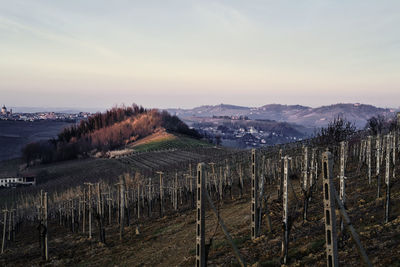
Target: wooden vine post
[(398, 121), (3, 243), (214, 177), (90, 209), (394, 137), (13, 224), (138, 200), (221, 185), (254, 196), (175, 202), (98, 191), (41, 207), (305, 168), (109, 199), (191, 183), (72, 215), (306, 186), (103, 204), (100, 215), (378, 151), (79, 210), (313, 176), (387, 178), (43, 231), (45, 216), (369, 141), (60, 214), (161, 193), (149, 198), (10, 212), (285, 218), (240, 180), (228, 179), (190, 189), (84, 211), (200, 218), (264, 202), (329, 210), (122, 207), (261, 195), (280, 171), (342, 178)]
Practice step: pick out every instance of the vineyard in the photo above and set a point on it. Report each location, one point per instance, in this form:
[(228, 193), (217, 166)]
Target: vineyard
[(171, 158), (298, 204)]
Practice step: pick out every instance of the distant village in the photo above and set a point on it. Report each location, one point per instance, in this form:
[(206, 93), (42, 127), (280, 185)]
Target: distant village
[(249, 137), (232, 135), (38, 116)]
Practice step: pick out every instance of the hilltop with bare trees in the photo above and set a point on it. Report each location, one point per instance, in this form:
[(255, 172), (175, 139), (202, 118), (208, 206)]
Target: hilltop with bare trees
[(105, 131)]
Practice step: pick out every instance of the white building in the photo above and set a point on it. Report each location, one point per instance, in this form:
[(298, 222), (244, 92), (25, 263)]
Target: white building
[(17, 181), (253, 130)]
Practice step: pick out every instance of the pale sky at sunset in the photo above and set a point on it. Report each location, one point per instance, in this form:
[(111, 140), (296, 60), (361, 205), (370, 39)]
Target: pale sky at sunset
[(97, 53)]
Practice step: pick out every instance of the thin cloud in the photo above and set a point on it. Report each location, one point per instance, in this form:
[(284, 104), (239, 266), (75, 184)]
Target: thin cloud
[(62, 39)]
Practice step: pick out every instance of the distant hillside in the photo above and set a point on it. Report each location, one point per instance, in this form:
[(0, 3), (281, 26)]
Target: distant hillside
[(14, 135), (107, 131), (241, 132), (209, 111), (288, 129), (306, 116)]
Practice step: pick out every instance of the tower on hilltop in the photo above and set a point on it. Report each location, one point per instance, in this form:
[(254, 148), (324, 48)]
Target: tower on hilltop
[(4, 110)]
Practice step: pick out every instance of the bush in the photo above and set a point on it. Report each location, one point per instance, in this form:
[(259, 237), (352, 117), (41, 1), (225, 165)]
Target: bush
[(338, 130), (380, 124)]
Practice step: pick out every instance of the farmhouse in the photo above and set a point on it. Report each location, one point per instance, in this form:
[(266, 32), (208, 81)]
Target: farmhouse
[(17, 181)]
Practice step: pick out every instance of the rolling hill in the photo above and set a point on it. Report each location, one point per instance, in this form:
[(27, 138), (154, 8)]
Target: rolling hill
[(302, 115), (104, 132)]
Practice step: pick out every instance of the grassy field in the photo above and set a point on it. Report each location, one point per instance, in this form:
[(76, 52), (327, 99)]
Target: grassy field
[(163, 141)]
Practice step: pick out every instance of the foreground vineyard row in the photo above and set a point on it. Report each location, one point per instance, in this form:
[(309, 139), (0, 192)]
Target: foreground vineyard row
[(287, 184)]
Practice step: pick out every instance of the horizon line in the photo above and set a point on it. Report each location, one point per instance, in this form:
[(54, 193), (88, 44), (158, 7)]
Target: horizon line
[(101, 109)]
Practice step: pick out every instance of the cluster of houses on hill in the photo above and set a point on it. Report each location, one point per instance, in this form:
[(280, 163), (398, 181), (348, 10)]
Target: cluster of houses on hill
[(244, 137), (38, 116)]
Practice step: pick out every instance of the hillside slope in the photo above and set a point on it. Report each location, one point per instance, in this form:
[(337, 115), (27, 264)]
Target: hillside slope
[(103, 132), (306, 116)]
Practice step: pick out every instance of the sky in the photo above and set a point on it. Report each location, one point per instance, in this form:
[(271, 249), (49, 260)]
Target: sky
[(98, 54)]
